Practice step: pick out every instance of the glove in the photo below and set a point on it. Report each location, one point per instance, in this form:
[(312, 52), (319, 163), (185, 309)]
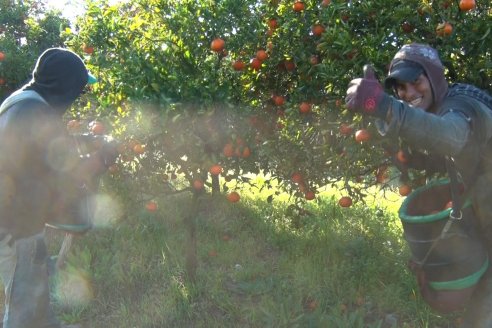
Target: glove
[(366, 95)]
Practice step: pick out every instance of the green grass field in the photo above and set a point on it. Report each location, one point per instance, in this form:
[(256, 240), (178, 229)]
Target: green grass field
[(257, 265)]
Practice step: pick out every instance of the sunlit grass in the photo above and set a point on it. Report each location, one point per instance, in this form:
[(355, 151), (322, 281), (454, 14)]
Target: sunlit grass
[(259, 264)]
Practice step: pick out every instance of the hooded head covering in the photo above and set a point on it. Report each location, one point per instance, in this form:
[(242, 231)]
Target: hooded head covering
[(59, 77), (413, 59)]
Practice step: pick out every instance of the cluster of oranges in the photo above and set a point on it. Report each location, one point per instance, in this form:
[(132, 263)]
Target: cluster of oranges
[(445, 28)]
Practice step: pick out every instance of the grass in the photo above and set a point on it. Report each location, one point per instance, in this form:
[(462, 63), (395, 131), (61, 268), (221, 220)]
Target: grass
[(258, 265)]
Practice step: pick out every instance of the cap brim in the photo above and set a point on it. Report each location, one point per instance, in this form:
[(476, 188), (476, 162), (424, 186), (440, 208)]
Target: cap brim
[(91, 79), (403, 74)]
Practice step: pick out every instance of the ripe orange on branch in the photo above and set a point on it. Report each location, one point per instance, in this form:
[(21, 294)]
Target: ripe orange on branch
[(198, 184), (97, 127), (466, 5), (298, 6), (345, 201), (304, 107), (362, 135), (317, 29), (2, 56), (88, 49), (217, 45), (345, 129), (261, 55), (215, 169), (404, 190), (255, 64), (238, 65), (233, 197), (444, 29), (309, 195), (278, 100)]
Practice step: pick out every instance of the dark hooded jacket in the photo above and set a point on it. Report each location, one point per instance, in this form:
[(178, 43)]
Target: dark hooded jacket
[(36, 155), (458, 125)]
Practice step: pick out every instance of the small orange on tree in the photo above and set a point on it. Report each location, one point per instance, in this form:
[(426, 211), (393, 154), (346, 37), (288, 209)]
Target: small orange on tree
[(238, 65), (215, 169), (345, 201), (261, 55), (444, 29), (217, 45), (404, 190), (466, 5), (298, 6), (304, 107), (362, 135), (233, 197)]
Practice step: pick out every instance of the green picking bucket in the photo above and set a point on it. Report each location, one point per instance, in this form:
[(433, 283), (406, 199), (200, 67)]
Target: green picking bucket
[(458, 260)]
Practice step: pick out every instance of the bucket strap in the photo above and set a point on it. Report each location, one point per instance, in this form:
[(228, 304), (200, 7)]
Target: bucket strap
[(456, 213)]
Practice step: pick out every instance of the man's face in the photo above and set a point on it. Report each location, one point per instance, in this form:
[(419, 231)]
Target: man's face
[(417, 94)]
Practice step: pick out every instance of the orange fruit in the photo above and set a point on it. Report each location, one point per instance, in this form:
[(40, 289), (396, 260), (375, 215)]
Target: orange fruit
[(272, 23), (314, 60), (97, 127), (228, 150), (238, 65), (233, 197), (466, 5), (255, 64), (298, 6), (113, 168), (88, 49), (246, 152), (278, 100), (289, 65), (215, 169), (151, 206), (404, 190), (139, 149), (317, 29), (345, 201), (74, 126), (309, 195), (325, 3), (362, 135), (2, 56), (402, 157), (261, 55), (217, 45), (2, 81), (304, 107), (197, 184), (345, 129), (444, 29), (296, 177)]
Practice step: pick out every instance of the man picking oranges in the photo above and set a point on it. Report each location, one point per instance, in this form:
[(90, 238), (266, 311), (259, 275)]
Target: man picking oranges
[(42, 178), (438, 121)]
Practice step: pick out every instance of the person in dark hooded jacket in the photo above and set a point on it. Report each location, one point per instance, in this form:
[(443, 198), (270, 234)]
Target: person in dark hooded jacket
[(437, 120), (42, 179)]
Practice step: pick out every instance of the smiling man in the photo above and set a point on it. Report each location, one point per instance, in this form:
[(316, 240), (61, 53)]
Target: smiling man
[(436, 121)]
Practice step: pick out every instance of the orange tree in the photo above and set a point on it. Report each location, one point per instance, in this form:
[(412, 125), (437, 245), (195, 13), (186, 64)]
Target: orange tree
[(257, 86), (26, 29)]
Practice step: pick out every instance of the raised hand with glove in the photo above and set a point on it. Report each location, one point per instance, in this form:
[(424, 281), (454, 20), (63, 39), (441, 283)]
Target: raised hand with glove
[(366, 95)]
